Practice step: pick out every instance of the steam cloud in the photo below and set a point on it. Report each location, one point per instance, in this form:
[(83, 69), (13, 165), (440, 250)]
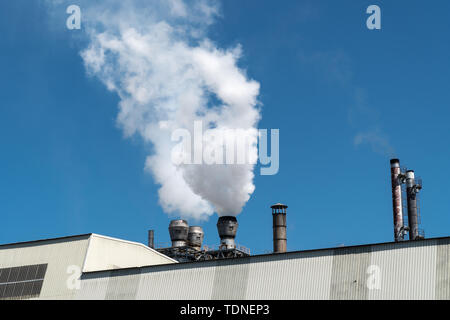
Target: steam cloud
[(156, 56)]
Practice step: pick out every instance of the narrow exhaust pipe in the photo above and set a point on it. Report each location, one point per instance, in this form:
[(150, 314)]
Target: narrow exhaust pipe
[(396, 179), (411, 193), (279, 228), (151, 239)]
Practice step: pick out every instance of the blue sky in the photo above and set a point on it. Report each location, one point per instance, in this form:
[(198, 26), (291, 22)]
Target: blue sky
[(66, 168)]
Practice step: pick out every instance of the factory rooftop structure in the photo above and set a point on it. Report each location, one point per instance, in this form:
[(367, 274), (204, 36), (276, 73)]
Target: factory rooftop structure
[(91, 266), (116, 269)]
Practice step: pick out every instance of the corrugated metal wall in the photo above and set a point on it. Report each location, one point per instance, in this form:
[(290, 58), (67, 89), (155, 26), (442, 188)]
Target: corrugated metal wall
[(442, 270), (291, 276), (349, 275), (409, 270)]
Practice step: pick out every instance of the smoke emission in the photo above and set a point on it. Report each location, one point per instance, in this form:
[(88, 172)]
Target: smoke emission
[(168, 74), (377, 140)]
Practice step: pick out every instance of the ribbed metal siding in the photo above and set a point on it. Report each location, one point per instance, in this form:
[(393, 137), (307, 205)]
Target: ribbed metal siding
[(230, 280), (409, 270), (94, 286), (190, 282), (349, 277), (443, 270), (291, 276), (124, 286)]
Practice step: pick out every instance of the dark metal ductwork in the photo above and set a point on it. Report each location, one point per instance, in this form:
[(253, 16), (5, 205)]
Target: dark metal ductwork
[(227, 228), (151, 239), (187, 242), (412, 189), (195, 237), (396, 179), (179, 230)]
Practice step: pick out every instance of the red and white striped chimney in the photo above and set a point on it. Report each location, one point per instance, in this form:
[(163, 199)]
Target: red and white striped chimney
[(397, 199)]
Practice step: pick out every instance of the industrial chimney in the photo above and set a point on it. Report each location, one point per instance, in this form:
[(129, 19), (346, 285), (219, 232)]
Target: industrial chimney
[(279, 227), (178, 230), (151, 239), (227, 228), (396, 178), (195, 237), (411, 192)]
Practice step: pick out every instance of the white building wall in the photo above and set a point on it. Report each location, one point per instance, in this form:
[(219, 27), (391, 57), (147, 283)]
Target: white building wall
[(409, 270), (406, 273), (59, 254), (189, 282), (68, 257), (295, 276), (442, 270)]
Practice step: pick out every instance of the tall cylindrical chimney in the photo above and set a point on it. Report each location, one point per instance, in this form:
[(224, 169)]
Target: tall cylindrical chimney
[(178, 230), (227, 228), (151, 239), (279, 227), (412, 205), (397, 200), (195, 237)]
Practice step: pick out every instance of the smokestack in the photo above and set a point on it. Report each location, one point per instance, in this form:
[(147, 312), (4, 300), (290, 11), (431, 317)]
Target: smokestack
[(396, 176), (279, 227), (151, 239), (227, 228), (195, 237), (178, 230), (411, 193)]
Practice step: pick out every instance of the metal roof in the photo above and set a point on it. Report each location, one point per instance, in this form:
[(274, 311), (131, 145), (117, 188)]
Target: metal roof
[(49, 239)]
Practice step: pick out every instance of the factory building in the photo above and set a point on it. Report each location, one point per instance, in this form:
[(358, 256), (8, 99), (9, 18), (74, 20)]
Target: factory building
[(49, 269), (117, 269), (97, 267), (407, 270)]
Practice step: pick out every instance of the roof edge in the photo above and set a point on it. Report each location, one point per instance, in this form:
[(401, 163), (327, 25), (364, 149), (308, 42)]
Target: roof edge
[(87, 235)]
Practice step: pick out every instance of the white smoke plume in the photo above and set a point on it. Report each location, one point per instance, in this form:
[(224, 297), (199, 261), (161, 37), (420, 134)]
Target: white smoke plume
[(377, 140), (156, 56)]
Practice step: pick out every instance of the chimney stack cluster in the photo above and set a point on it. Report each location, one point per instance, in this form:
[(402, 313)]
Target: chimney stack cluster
[(184, 236), (181, 235), (408, 178)]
